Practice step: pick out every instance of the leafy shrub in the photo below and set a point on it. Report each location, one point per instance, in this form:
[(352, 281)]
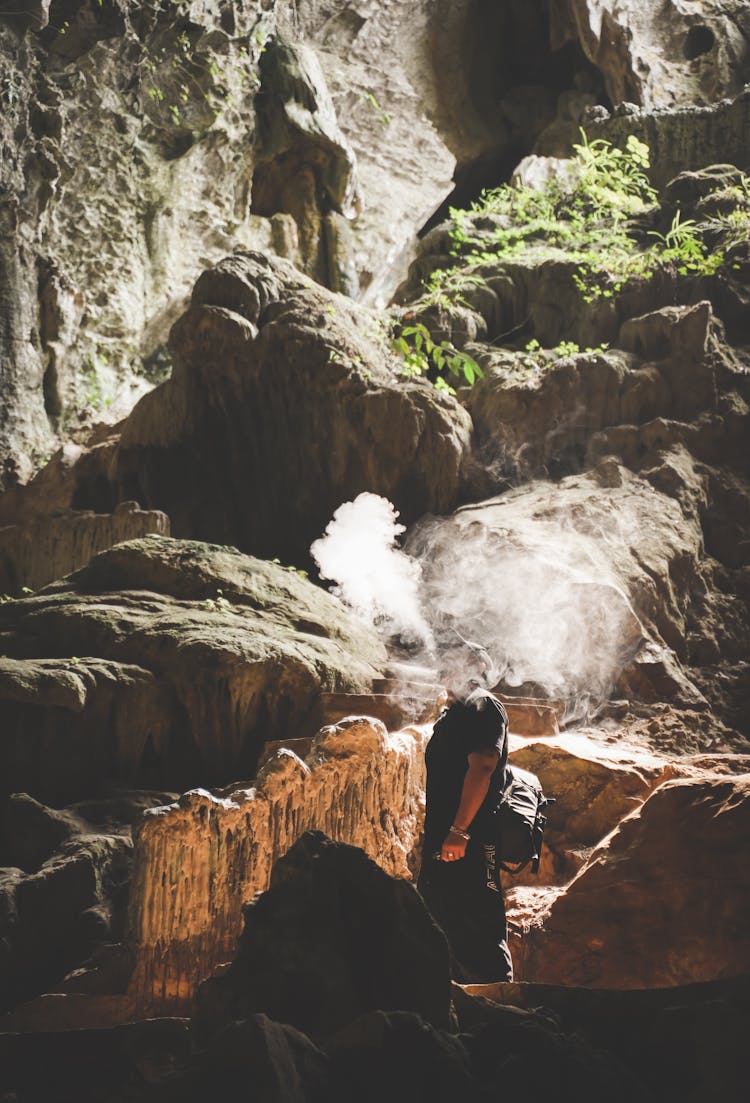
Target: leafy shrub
[(423, 356), (588, 220)]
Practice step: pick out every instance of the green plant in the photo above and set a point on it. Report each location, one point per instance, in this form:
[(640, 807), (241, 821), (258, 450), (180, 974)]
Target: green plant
[(93, 394), (567, 348), (369, 98), (613, 180), (183, 73), (586, 221), (421, 355), (292, 569), (445, 287), (683, 247), (564, 348)]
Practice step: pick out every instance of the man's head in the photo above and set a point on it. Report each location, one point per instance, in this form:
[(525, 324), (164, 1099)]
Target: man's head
[(466, 666)]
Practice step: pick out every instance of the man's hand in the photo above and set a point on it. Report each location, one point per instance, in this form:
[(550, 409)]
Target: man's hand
[(454, 847)]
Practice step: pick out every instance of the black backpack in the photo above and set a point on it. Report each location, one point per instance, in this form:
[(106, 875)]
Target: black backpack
[(518, 821)]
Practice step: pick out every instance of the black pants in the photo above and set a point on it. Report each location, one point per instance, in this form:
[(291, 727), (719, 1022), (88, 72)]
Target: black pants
[(468, 904)]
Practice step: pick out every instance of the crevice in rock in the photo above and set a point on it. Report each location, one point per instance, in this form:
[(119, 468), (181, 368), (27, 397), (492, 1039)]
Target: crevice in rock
[(698, 41), (520, 83)]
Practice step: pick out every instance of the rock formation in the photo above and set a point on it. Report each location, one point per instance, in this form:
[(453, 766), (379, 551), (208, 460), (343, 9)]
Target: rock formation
[(661, 902), (63, 888), (657, 57), (301, 366), (168, 663), (331, 939), (104, 232), (199, 860), (39, 551)]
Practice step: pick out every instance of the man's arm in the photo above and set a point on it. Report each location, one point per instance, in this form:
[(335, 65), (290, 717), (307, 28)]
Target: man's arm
[(476, 783)]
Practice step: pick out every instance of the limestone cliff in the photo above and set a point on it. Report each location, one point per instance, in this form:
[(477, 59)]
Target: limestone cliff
[(142, 141)]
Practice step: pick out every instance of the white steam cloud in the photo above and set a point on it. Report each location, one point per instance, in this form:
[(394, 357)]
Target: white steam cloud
[(526, 584), (359, 552)]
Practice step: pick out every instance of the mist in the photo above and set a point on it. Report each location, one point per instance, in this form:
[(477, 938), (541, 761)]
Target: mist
[(538, 595)]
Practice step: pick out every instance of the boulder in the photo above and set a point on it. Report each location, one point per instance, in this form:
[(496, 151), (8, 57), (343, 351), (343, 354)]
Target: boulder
[(663, 901), (30, 832), (51, 920), (333, 937), (199, 653), (398, 1056), (64, 891), (678, 1043), (594, 787), (284, 403)]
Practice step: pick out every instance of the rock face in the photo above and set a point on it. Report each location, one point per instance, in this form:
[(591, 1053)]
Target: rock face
[(165, 663), (63, 887), (641, 913), (333, 937), (594, 787), (105, 229), (306, 168), (681, 138), (357, 783), (38, 552), (302, 414), (641, 445), (661, 56), (199, 107), (584, 513)]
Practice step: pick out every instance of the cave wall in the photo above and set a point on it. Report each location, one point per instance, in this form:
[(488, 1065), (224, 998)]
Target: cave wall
[(135, 140), (143, 141)]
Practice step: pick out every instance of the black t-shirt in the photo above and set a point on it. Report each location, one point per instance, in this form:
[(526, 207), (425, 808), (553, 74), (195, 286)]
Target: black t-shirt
[(477, 723)]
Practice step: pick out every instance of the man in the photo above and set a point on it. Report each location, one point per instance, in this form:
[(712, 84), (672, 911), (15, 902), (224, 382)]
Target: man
[(466, 759)]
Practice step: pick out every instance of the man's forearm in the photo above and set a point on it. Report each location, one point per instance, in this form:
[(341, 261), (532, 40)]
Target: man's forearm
[(476, 784)]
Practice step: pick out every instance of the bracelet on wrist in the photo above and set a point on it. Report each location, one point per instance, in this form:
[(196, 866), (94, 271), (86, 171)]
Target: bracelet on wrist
[(458, 831)]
